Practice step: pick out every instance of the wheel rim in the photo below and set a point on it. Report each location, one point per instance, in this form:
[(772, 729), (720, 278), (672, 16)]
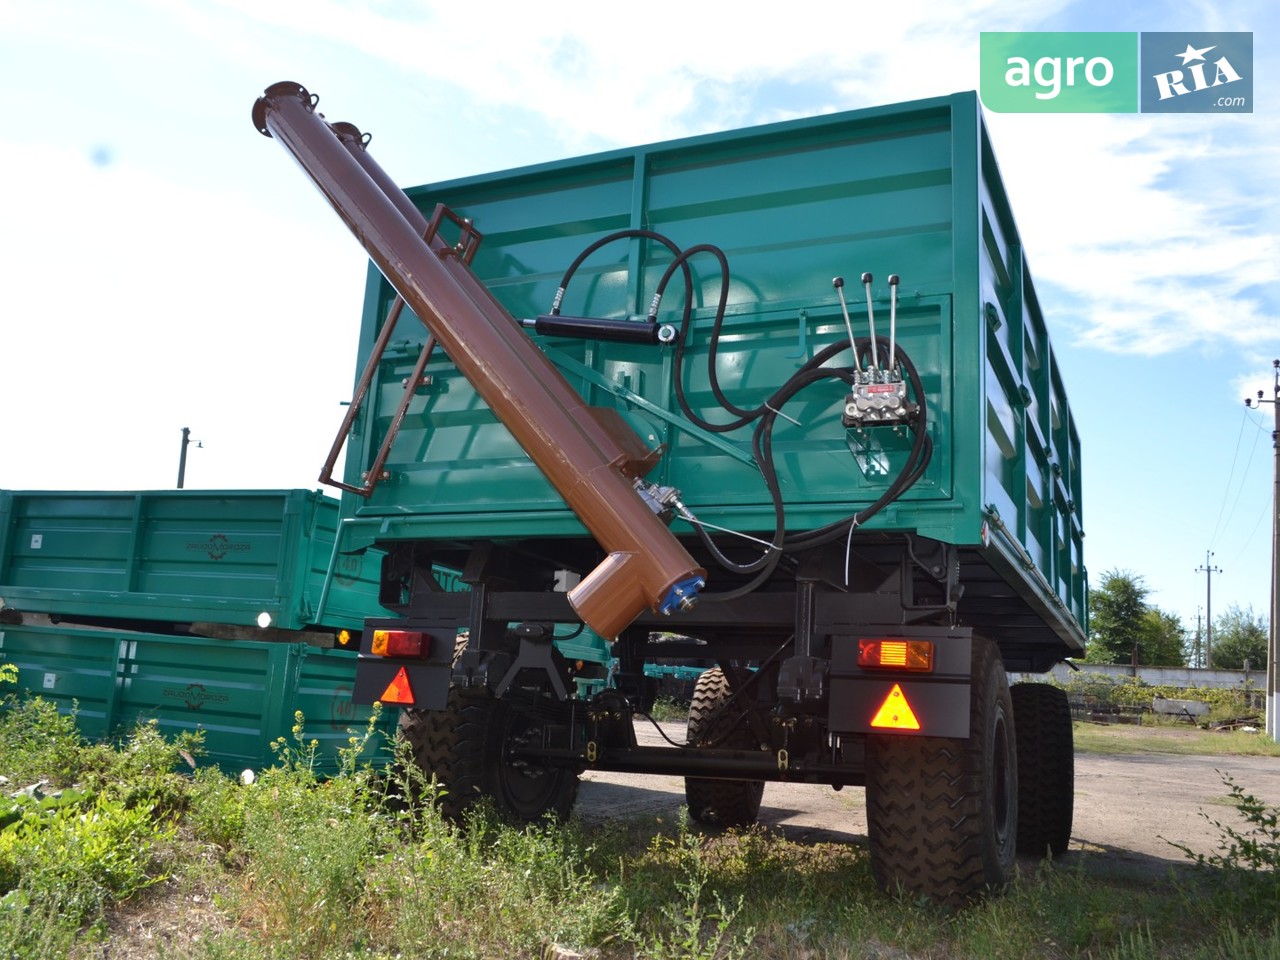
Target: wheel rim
[(527, 789), (1002, 802)]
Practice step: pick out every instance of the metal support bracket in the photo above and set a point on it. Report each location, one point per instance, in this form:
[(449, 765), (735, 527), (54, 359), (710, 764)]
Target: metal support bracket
[(542, 657), (803, 676)]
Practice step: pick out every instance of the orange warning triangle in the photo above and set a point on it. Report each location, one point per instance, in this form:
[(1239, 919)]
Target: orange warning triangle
[(895, 713), (398, 690)]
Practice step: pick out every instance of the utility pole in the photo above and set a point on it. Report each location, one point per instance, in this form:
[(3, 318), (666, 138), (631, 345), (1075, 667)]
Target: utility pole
[(1273, 647), (182, 456), (1208, 571)]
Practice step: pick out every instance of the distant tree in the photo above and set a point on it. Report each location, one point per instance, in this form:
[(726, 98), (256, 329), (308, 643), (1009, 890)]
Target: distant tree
[(1117, 618), (1240, 635), (1163, 641)]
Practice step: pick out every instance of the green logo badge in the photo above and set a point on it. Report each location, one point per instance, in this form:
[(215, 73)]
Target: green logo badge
[(1059, 72)]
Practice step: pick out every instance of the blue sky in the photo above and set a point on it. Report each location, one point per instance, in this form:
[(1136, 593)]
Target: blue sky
[(161, 266)]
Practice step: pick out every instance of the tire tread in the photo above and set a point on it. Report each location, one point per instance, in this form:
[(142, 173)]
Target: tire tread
[(1046, 768), (724, 803), (927, 826)]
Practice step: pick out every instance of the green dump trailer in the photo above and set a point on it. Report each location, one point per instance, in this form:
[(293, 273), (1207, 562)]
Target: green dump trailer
[(226, 611), (243, 694), (780, 400), (243, 558)]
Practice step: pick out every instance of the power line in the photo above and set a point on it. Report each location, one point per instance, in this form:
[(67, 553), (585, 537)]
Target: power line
[(1265, 508), (1265, 511), (1243, 477), (1213, 537)]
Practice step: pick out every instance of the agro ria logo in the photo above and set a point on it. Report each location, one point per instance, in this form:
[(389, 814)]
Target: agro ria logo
[(1174, 83), (1197, 72)]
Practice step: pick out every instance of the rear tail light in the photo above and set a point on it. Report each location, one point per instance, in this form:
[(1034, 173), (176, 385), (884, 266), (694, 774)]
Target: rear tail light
[(400, 643), (916, 655)]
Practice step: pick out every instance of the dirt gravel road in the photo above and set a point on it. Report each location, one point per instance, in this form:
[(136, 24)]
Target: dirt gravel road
[(1129, 809)]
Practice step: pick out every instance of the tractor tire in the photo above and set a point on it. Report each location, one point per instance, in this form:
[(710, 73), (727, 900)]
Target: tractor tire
[(464, 748), (1046, 768), (720, 803), (942, 813)]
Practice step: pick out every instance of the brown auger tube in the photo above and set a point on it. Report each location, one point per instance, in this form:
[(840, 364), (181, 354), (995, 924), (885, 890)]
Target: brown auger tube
[(588, 455)]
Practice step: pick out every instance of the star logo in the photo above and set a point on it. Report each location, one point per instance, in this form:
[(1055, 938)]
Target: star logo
[(1191, 53)]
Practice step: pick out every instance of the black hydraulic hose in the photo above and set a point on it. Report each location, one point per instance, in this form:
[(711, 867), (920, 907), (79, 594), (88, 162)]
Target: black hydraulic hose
[(917, 461), (625, 235), (762, 450), (680, 262), (713, 344), (766, 414), (752, 679), (570, 636), (762, 447)]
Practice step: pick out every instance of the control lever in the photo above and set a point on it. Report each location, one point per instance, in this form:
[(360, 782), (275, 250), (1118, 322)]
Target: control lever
[(881, 398), (838, 283), (893, 322), (871, 322)]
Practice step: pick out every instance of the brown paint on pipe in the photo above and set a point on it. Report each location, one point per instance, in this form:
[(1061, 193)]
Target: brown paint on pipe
[(581, 457), (605, 425)]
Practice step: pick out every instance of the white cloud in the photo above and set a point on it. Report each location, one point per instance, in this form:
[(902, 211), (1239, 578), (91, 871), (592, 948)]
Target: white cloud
[(1153, 264), (671, 68)]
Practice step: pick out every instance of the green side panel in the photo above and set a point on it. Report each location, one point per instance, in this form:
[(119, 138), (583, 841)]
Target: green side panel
[(910, 189), (1031, 461), (242, 694), (79, 670), (234, 691), (183, 556), (323, 696)]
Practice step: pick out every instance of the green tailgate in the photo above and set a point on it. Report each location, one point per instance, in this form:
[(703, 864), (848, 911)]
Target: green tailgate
[(911, 189)]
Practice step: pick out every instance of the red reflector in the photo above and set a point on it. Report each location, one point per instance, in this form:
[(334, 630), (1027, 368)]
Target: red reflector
[(895, 713), (896, 654), (399, 643), (398, 690)]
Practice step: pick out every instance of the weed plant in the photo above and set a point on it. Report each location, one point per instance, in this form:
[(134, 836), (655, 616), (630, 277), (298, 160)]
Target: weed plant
[(1246, 864), (68, 852), (361, 865)]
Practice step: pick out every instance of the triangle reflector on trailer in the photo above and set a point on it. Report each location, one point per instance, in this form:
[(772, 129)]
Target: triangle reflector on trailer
[(398, 690), (895, 713)]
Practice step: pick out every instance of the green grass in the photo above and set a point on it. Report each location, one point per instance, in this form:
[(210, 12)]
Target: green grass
[(293, 867), (669, 710), (1171, 738)]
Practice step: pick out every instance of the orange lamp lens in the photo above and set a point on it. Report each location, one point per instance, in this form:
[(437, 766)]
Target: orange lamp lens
[(399, 643), (916, 655)]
